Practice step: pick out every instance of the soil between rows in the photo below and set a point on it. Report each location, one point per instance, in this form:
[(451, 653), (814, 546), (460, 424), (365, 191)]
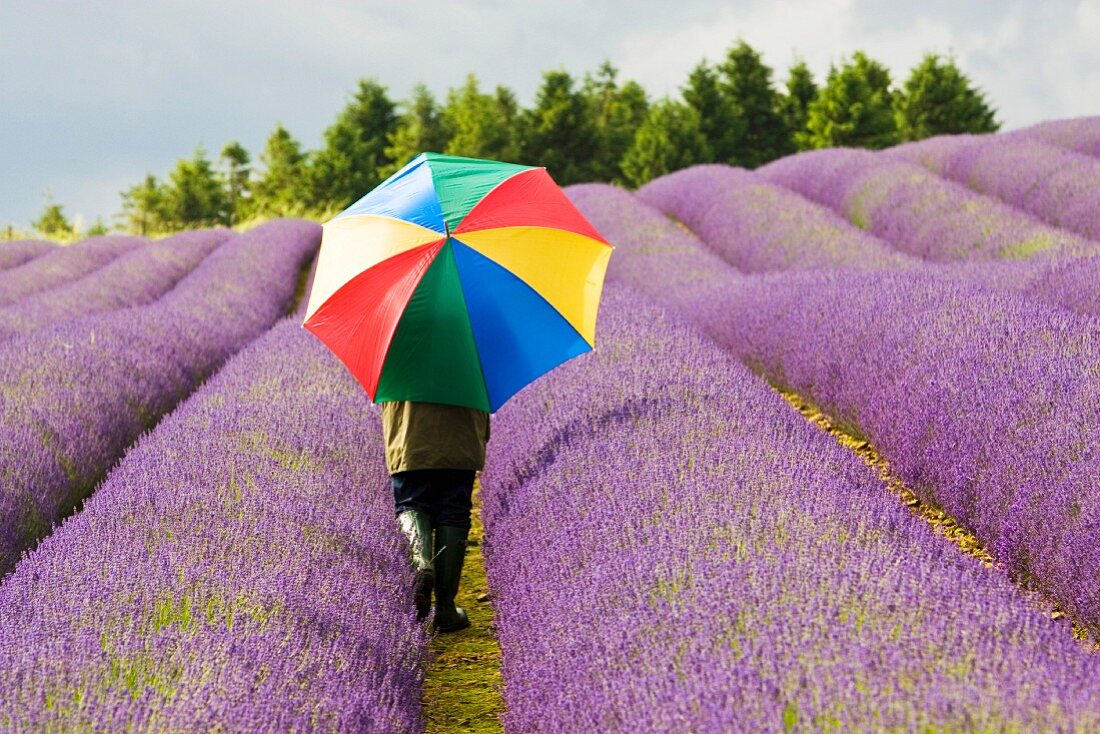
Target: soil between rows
[(942, 523), (463, 688)]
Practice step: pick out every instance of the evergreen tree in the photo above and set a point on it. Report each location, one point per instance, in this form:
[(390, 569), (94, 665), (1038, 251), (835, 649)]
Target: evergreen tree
[(719, 120), (795, 104), (509, 146), (669, 139), (350, 163), (747, 83), (283, 188), (615, 114), (98, 228), (144, 208), (558, 131), (236, 160), (419, 130), (52, 222), (482, 125), (195, 195), (938, 99), (853, 109)]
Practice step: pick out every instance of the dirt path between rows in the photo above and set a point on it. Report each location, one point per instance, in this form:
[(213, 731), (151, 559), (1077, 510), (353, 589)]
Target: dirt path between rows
[(462, 691), (942, 523)]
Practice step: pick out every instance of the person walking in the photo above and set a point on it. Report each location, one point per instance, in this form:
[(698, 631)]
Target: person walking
[(433, 453)]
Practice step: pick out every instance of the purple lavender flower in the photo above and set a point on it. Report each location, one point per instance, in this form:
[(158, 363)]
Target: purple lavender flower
[(134, 279), (17, 252), (1081, 134), (982, 400), (63, 265), (758, 226), (239, 570), (75, 395), (672, 548), (1058, 186), (917, 211)]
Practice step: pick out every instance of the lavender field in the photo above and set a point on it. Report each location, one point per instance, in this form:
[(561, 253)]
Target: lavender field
[(196, 530)]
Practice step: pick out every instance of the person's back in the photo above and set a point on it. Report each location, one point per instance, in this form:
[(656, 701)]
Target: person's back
[(433, 453)]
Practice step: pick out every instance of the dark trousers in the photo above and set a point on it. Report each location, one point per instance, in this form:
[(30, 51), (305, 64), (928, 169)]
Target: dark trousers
[(446, 495)]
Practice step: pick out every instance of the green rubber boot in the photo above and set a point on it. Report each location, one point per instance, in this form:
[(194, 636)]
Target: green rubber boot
[(450, 551), (418, 529)]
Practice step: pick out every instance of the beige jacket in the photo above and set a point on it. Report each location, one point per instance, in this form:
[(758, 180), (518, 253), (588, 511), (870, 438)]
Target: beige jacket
[(433, 436)]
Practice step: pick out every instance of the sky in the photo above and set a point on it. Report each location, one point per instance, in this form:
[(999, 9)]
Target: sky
[(95, 95)]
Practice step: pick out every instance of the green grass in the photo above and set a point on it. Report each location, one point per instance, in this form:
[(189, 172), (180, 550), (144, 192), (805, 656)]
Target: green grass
[(1026, 248), (462, 691)]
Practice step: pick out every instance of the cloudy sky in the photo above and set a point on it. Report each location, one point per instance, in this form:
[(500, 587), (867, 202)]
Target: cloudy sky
[(95, 95)]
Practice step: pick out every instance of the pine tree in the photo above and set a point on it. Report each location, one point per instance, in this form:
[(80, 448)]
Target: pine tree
[(236, 160), (668, 140), (419, 130), (938, 99), (719, 120), (98, 228), (746, 81), (795, 104), (143, 207), (482, 125), (853, 109), (52, 222), (195, 195), (615, 114), (283, 187), (558, 132), (354, 154), (508, 109)]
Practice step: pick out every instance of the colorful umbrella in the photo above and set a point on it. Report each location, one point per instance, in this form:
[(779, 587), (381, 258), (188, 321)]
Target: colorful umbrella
[(457, 281)]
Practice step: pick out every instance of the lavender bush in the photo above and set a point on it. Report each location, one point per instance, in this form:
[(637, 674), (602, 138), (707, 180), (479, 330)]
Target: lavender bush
[(1081, 134), (1073, 285), (134, 279), (917, 211), (239, 570), (985, 402), (17, 252), (672, 258), (672, 548), (667, 263), (75, 395), (63, 265), (1058, 186), (758, 226)]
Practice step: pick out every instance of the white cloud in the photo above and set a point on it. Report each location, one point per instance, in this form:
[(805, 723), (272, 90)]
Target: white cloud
[(1073, 67), (810, 29), (95, 95)]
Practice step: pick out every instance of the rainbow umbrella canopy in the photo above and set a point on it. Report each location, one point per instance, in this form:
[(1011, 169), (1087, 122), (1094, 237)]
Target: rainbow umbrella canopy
[(457, 281)]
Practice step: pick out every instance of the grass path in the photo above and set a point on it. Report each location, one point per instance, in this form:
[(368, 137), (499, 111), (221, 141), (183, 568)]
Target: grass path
[(462, 691), (942, 523)]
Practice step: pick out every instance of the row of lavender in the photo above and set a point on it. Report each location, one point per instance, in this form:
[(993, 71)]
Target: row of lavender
[(239, 570), (1058, 186), (135, 278), (61, 265), (985, 403), (671, 548), (917, 211), (1081, 134), (759, 226), (18, 252), (76, 394)]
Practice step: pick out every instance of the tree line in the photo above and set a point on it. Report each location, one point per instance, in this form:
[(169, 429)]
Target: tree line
[(594, 128)]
